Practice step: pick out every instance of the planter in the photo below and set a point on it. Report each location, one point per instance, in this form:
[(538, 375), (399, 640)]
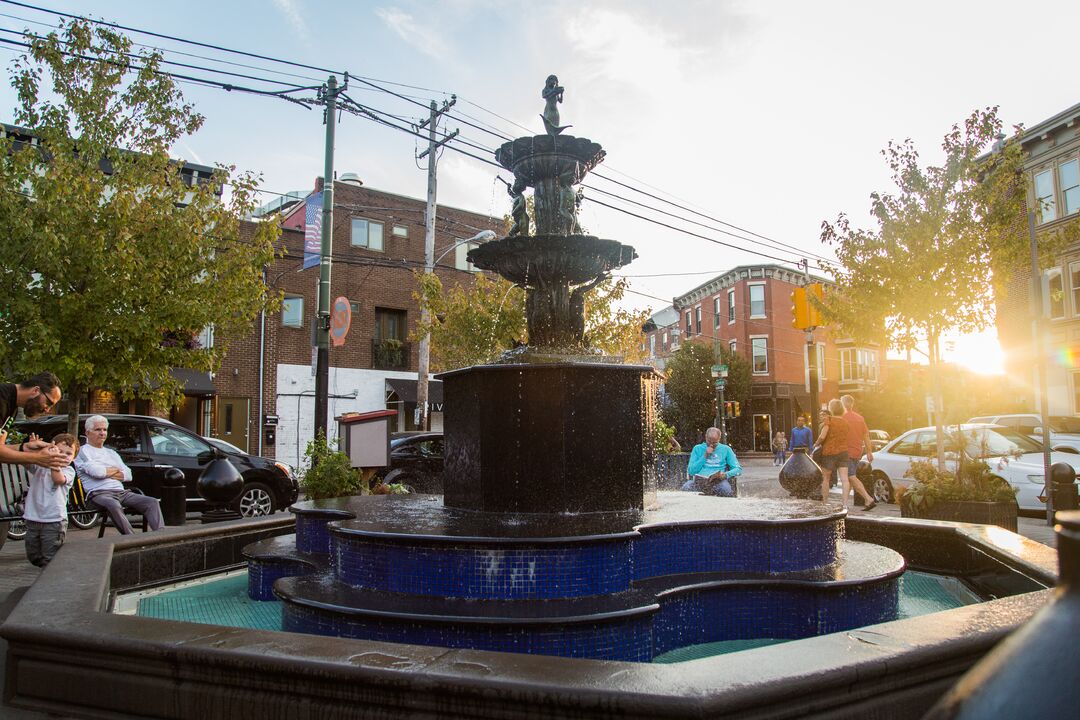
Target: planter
[(801, 476), (1002, 514)]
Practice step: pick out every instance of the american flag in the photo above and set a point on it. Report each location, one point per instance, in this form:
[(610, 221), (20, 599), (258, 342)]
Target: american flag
[(313, 212)]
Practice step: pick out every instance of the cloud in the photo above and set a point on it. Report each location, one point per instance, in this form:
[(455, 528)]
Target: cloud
[(425, 39), (292, 13)]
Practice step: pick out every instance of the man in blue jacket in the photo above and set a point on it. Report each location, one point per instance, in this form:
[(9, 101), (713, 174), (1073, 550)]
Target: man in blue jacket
[(711, 466)]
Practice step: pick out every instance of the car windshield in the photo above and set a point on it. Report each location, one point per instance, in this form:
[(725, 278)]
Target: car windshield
[(995, 442), (1065, 424)]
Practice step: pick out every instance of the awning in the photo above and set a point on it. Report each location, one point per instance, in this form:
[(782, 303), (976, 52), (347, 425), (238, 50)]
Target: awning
[(406, 390), (195, 383)]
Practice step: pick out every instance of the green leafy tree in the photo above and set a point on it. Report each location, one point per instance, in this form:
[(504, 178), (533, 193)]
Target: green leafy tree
[(475, 324), (691, 391), (943, 238), (111, 263)]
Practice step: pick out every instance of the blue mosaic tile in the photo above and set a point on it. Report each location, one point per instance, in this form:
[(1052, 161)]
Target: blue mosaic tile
[(468, 571), (312, 534), (262, 573)]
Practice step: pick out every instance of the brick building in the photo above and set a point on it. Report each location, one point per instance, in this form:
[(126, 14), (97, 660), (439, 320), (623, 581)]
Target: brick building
[(748, 311), (1052, 149), (660, 336), (264, 392)]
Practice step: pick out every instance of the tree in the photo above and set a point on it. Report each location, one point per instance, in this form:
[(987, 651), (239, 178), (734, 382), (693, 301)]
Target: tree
[(111, 263), (474, 325), (942, 241), (691, 392)]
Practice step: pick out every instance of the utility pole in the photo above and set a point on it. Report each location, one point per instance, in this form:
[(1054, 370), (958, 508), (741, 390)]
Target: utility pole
[(423, 421), (1040, 365), (322, 318), (811, 362)]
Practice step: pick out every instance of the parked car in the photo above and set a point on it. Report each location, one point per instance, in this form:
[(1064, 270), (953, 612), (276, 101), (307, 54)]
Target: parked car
[(416, 460), (1011, 455), (878, 439), (151, 445), (1064, 431)]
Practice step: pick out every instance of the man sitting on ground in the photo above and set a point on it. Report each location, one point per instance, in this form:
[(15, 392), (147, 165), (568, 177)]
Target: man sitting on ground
[(712, 465), (103, 476)]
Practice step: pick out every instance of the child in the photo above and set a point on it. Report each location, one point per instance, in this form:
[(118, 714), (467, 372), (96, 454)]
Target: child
[(779, 447), (46, 499)]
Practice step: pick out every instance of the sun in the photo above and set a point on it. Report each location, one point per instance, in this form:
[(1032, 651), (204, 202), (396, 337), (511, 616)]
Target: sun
[(979, 352)]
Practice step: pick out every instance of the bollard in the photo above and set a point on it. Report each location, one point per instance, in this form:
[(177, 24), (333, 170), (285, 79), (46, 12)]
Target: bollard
[(173, 497), (1063, 487)]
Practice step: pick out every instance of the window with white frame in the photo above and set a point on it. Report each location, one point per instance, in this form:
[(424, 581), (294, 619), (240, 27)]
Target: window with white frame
[(292, 311), (759, 355), (367, 234), (1045, 205), (1076, 392), (689, 324), (665, 341), (652, 345), (858, 364), (1054, 289), (757, 300), (1069, 182), (1074, 285), (730, 306), (697, 320), (461, 257), (206, 337), (732, 345), (716, 312), (400, 231)]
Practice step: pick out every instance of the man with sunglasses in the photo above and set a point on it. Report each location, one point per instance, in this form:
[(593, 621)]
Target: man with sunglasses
[(36, 396)]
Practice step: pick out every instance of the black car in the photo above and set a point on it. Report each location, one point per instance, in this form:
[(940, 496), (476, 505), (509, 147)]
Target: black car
[(416, 460), (152, 445)]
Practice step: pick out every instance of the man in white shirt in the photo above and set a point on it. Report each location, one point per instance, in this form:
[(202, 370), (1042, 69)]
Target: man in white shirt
[(103, 475)]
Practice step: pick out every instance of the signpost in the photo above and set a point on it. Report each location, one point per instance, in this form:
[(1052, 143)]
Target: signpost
[(720, 372)]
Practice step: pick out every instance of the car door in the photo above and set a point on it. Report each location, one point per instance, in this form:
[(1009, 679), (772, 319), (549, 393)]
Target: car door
[(173, 446), (126, 438), (897, 458)]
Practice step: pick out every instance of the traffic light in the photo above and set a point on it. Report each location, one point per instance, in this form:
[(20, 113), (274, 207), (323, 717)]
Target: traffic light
[(813, 312), (800, 319), (731, 409), (736, 409)]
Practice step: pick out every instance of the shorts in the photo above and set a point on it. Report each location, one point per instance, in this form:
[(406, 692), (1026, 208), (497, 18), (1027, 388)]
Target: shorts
[(830, 463), (852, 466)]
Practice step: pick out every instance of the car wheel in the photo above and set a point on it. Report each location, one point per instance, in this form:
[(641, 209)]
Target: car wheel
[(256, 500), (882, 489)]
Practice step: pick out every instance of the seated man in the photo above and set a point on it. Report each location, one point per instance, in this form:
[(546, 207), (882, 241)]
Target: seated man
[(711, 465), (103, 475)]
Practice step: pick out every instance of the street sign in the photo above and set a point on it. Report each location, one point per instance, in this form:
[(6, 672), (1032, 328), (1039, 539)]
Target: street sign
[(719, 383), (719, 371)]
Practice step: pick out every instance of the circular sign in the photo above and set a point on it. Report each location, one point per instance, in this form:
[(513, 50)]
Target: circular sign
[(340, 319)]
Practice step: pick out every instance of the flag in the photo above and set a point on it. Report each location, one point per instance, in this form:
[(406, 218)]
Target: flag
[(313, 211)]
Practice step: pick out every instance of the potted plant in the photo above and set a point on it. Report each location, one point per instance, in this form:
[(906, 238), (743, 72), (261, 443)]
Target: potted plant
[(327, 472), (671, 461), (971, 494)]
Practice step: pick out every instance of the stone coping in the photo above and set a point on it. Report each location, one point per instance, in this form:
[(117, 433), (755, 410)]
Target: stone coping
[(66, 655)]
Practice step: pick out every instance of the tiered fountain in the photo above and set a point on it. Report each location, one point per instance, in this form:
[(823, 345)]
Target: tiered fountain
[(551, 537)]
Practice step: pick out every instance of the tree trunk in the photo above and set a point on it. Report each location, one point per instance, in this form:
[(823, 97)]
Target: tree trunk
[(75, 393), (936, 380)]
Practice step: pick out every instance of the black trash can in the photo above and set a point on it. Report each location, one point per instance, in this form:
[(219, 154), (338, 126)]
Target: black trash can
[(174, 497), (1063, 486)]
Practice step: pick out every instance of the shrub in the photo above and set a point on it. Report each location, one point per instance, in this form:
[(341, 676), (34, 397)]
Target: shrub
[(664, 437), (327, 472), (975, 482)]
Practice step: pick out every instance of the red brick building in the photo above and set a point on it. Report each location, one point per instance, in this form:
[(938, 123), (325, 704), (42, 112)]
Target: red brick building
[(748, 310)]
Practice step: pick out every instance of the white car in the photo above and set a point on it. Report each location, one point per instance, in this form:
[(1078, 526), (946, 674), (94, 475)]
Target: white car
[(1011, 455), (1064, 430)]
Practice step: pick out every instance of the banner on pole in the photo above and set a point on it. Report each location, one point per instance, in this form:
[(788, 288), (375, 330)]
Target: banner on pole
[(313, 212)]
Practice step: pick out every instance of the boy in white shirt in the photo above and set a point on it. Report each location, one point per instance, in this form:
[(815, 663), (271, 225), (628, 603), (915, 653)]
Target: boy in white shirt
[(45, 509)]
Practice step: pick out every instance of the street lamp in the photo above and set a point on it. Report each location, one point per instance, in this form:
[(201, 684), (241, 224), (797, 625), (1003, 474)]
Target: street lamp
[(422, 420)]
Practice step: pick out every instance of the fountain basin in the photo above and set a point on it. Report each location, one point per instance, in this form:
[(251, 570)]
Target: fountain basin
[(537, 260), (541, 157)]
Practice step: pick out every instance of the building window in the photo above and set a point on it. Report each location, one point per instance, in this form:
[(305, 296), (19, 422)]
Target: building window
[(1074, 284), (858, 364), (759, 355), (665, 340), (390, 324), (1054, 302), (206, 337), (757, 301), (461, 257), (1069, 180), (400, 231), (731, 346), (689, 324), (697, 320), (367, 234), (716, 312), (389, 351), (1044, 196), (652, 345), (1076, 392), (292, 311), (730, 306)]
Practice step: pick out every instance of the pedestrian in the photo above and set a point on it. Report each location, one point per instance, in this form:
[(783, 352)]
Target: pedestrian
[(36, 396), (779, 446), (712, 464), (103, 475), (858, 444), (802, 436), (45, 511), (833, 443)]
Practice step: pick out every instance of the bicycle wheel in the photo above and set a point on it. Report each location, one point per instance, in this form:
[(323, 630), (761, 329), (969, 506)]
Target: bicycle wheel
[(82, 518), (16, 530)]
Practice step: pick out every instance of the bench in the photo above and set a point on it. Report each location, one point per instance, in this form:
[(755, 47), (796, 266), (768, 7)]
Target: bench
[(14, 481)]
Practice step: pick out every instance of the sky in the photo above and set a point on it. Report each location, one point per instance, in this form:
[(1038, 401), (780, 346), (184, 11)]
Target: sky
[(769, 115)]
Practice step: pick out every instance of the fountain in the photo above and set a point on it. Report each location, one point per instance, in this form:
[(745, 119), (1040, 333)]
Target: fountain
[(551, 541), (551, 537)]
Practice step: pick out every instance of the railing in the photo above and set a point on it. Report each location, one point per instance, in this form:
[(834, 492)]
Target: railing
[(390, 354)]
